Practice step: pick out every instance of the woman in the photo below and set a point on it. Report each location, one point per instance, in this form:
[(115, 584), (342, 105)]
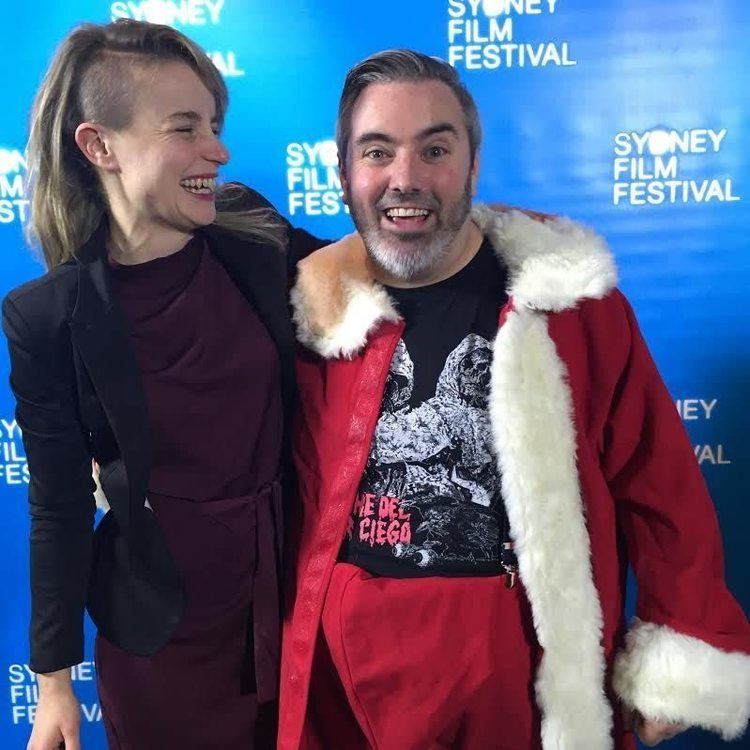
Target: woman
[(159, 345)]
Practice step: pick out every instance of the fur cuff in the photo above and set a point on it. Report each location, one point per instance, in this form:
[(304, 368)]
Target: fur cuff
[(678, 678)]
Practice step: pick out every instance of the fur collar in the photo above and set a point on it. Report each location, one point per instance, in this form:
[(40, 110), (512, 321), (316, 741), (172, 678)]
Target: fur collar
[(552, 265)]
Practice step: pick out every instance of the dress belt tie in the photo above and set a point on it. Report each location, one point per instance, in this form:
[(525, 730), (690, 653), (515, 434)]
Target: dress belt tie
[(266, 592), (265, 504)]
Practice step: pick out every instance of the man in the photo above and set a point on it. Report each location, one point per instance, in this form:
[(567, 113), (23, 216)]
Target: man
[(447, 428)]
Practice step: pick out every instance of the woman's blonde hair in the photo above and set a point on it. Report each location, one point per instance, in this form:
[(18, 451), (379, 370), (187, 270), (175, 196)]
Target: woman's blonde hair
[(90, 80)]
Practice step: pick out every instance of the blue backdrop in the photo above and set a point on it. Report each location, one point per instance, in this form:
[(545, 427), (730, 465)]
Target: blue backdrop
[(630, 115)]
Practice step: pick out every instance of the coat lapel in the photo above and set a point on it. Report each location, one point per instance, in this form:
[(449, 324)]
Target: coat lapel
[(535, 444), (100, 334)]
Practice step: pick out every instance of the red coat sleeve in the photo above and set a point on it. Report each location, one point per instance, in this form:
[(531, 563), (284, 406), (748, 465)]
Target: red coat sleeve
[(686, 656)]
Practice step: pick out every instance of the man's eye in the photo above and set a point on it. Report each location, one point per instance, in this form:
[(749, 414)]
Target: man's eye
[(436, 151), (184, 130), (375, 153)]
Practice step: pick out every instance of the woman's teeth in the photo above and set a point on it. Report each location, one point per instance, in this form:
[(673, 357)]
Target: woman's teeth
[(200, 185)]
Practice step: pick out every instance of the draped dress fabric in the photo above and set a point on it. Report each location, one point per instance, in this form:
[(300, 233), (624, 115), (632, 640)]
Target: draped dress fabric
[(211, 376)]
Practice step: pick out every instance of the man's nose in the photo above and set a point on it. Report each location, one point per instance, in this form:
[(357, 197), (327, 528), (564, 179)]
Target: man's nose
[(406, 173)]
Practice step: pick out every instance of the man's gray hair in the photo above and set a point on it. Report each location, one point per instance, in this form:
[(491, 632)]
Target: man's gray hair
[(395, 65)]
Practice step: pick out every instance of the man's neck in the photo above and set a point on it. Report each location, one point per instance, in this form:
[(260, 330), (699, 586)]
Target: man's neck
[(464, 247)]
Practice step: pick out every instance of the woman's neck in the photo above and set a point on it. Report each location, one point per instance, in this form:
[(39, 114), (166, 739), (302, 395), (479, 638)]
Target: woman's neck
[(130, 245)]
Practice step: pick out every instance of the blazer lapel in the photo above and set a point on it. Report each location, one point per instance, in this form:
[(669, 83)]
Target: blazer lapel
[(100, 334)]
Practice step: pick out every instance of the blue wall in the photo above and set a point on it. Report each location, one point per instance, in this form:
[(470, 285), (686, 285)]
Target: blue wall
[(630, 115)]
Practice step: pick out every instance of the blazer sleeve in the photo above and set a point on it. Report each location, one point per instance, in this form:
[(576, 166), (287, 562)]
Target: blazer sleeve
[(686, 655), (300, 243), (60, 488)]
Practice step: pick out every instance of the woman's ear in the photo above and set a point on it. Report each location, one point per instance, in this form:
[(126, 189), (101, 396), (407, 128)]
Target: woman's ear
[(93, 141)]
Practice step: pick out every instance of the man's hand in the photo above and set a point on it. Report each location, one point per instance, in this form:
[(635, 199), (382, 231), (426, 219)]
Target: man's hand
[(651, 731)]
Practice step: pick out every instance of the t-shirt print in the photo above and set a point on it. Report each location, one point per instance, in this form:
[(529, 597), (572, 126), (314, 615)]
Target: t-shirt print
[(429, 501)]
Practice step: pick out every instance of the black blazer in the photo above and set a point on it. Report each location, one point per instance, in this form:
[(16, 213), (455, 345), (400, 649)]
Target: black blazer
[(79, 395)]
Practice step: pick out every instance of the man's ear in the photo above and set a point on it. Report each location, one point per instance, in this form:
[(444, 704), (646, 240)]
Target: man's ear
[(344, 182), (474, 175), (94, 143)]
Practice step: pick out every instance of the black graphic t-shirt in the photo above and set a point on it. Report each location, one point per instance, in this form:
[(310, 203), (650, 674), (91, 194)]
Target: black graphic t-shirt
[(429, 501)]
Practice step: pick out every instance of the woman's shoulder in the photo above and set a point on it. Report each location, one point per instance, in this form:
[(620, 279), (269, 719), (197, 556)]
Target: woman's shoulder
[(45, 302)]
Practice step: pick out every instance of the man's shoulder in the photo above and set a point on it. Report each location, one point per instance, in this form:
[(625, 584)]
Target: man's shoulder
[(553, 262), (609, 310), (597, 333)]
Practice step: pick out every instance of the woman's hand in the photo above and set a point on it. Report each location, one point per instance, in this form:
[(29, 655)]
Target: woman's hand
[(58, 714), (537, 215)]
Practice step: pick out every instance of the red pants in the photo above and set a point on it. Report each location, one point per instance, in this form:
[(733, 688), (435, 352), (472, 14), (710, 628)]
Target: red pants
[(423, 664)]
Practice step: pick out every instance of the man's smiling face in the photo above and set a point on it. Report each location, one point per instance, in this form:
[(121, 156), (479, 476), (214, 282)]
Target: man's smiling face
[(408, 175)]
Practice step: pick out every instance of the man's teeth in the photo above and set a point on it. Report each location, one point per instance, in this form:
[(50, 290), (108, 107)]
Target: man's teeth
[(393, 213), (204, 185)]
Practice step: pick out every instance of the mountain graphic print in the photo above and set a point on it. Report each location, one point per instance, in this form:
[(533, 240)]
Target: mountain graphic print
[(429, 502)]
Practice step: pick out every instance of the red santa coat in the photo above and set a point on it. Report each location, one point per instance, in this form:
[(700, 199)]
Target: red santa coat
[(597, 471)]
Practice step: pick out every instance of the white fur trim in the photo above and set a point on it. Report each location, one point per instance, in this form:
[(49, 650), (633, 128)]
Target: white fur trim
[(531, 415), (678, 678), (553, 263), (365, 306)]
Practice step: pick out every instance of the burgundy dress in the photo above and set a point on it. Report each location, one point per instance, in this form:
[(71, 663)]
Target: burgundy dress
[(211, 376)]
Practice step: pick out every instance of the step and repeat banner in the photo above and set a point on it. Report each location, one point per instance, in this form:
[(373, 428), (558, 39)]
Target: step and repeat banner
[(632, 116)]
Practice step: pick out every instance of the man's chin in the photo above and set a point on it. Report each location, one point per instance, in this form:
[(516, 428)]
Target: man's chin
[(394, 239), (398, 243), (405, 261)]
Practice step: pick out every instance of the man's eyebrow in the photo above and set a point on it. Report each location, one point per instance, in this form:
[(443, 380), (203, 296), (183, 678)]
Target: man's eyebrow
[(441, 127), (374, 135)]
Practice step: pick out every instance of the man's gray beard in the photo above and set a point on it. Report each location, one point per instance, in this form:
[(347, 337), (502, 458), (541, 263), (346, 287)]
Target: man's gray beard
[(423, 254)]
